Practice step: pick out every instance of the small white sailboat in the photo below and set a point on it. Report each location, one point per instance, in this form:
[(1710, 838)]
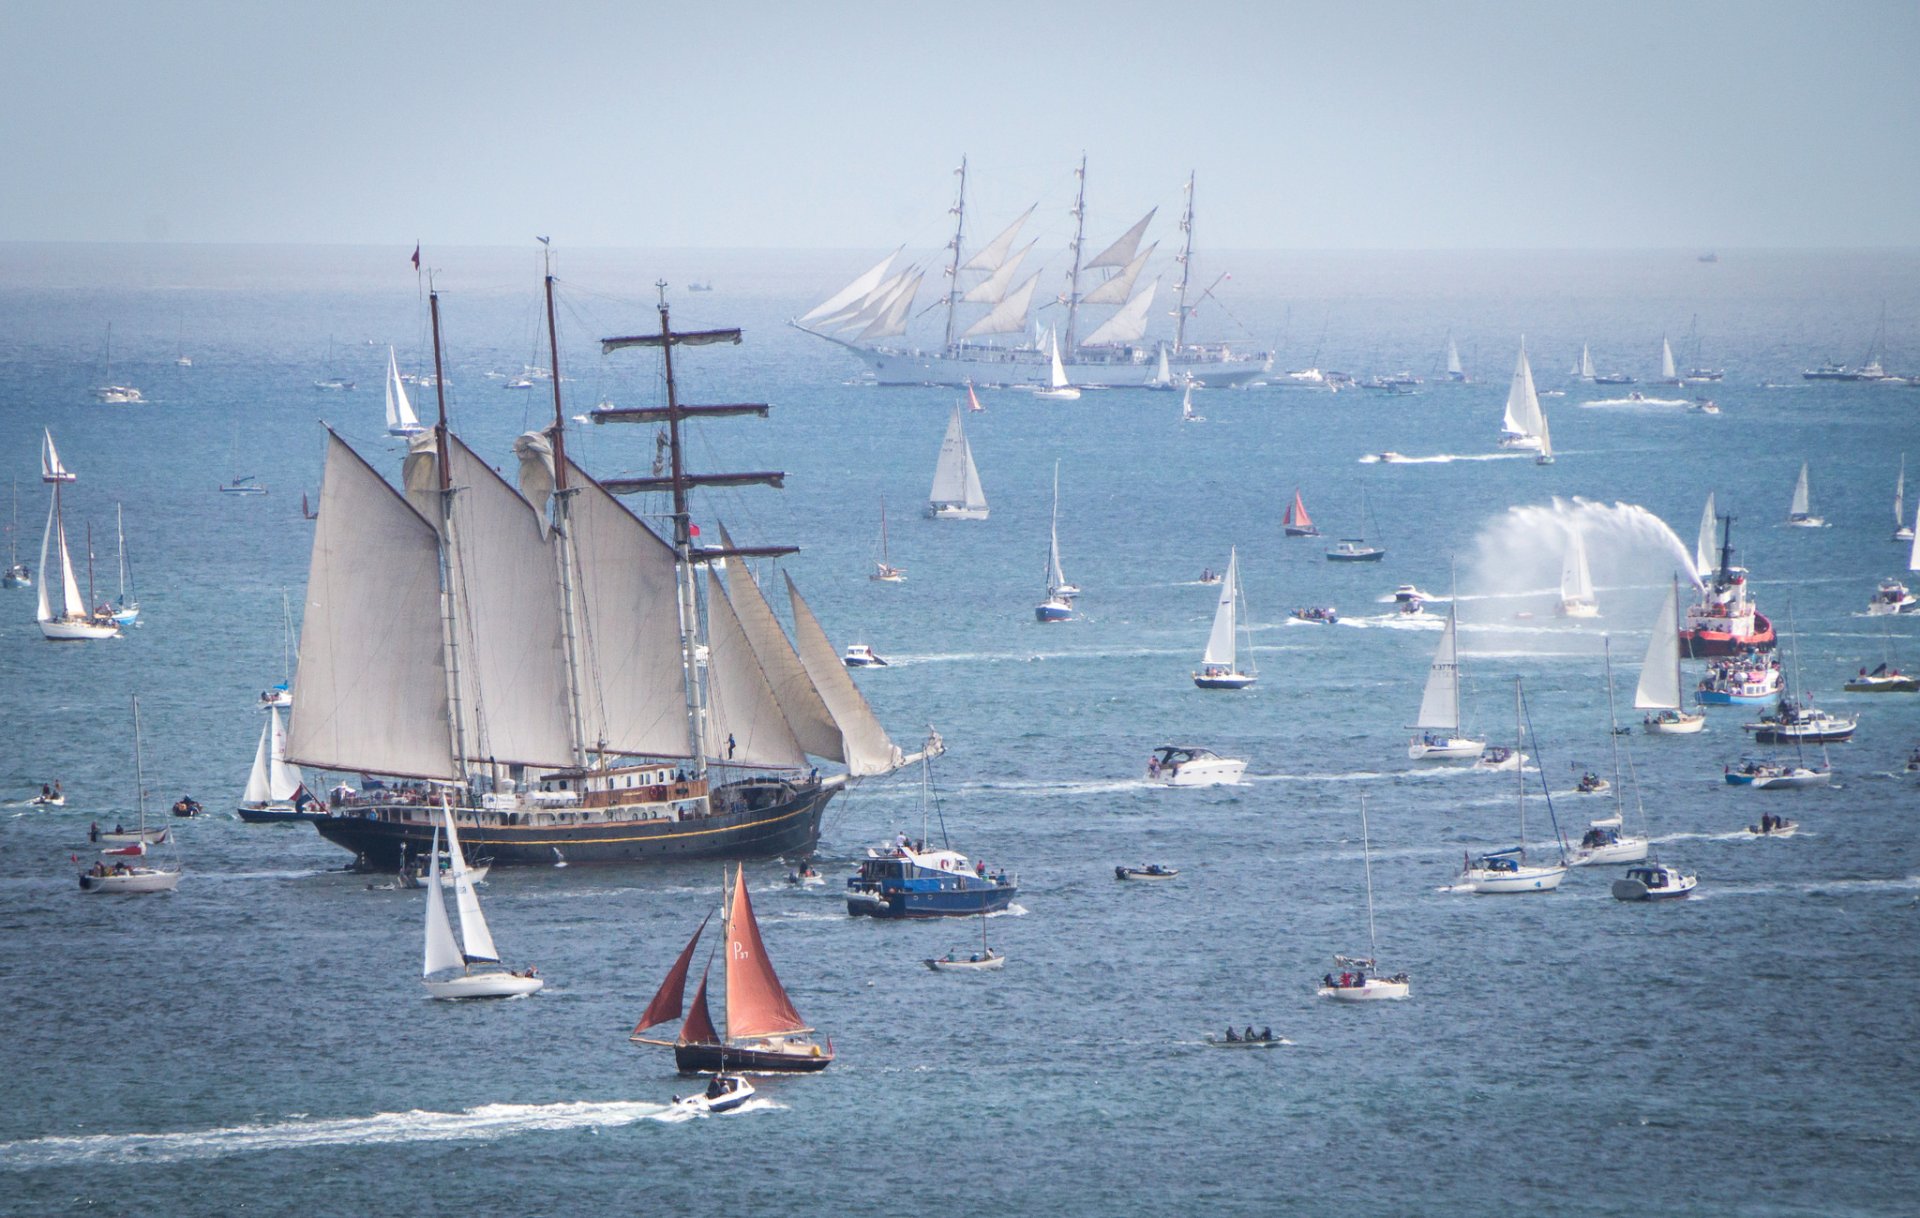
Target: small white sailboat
[(956, 493), (1058, 605), (1359, 979), (1584, 369), (1454, 372), (1659, 688), (401, 421), (1800, 512), (1669, 375), (1219, 666), (1186, 409), (1162, 377), (1606, 839), (126, 610), (274, 786), (61, 612), (1902, 531), (1507, 871), (490, 979), (1576, 581), (1520, 425), (883, 569), (19, 574), (109, 393), (1058, 388), (1546, 442), (332, 382), (51, 468), (983, 961), (1439, 719), (122, 876)]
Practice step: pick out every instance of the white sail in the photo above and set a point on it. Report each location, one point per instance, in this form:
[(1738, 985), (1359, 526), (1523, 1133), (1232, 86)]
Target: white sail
[(1900, 495), (865, 743), (1453, 357), (50, 468), (1707, 548), (442, 952), (1129, 325), (865, 311), (513, 673), (993, 255), (372, 677), (1522, 417), (993, 289), (1010, 315), (1913, 555), (284, 779), (1576, 582), (1440, 704), (1116, 290), (893, 318), (1121, 252), (476, 940), (1586, 363), (1546, 439), (1057, 374), (1220, 642), (1659, 687), (741, 706), (1056, 578), (800, 702), (857, 290), (257, 791), (1163, 375), (400, 417), (1666, 360), (955, 480), (633, 697), (1801, 501)]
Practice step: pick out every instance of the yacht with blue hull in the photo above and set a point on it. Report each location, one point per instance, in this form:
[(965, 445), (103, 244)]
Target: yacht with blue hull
[(902, 882)]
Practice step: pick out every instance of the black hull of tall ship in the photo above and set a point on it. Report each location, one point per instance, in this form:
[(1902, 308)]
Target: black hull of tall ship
[(778, 819), (710, 1059)]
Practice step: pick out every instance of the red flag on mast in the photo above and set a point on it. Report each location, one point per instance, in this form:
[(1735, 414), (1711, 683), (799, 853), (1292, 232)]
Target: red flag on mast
[(416, 255)]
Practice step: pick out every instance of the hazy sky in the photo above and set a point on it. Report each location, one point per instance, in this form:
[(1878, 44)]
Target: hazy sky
[(796, 124)]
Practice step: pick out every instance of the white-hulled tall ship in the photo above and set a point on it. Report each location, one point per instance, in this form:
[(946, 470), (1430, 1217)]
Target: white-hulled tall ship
[(1725, 621), (583, 689), (870, 316)]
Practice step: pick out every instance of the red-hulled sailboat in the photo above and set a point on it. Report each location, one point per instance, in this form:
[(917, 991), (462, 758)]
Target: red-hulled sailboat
[(1297, 522), (764, 1032), (1725, 622)]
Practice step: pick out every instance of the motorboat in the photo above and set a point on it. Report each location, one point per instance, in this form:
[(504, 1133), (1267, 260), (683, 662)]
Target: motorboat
[(984, 960), (805, 875), (1654, 882), (904, 881), (1892, 597), (1174, 765), (1355, 549), (1749, 680), (187, 806), (1409, 592), (1605, 841), (1773, 775), (860, 655), (1774, 826), (1263, 1039), (1592, 784), (1324, 615), (1412, 608), (1802, 722), (1151, 871), (724, 1093), (1882, 680), (1500, 757), (49, 797)]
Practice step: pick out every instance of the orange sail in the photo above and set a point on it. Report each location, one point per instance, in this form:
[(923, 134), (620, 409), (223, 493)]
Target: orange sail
[(699, 1030), (666, 1002), (756, 1004), (1297, 514), (973, 403)]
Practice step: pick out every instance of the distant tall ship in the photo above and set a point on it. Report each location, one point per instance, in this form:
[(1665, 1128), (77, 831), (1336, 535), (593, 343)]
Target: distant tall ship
[(583, 689), (869, 317)]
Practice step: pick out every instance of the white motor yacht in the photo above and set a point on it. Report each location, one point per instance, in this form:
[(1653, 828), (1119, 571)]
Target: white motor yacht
[(1174, 765), (1653, 882)]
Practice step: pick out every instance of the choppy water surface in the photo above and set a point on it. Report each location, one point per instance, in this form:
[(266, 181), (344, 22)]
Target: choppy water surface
[(259, 1041)]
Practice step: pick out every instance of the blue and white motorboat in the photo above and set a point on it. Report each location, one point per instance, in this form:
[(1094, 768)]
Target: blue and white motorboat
[(902, 881), (1654, 882)]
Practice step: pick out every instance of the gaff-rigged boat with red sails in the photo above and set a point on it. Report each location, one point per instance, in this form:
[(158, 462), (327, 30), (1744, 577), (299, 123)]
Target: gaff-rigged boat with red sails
[(1725, 621), (1297, 522), (764, 1032)]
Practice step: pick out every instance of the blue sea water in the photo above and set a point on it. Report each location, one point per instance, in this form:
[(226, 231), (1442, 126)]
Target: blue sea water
[(258, 1041)]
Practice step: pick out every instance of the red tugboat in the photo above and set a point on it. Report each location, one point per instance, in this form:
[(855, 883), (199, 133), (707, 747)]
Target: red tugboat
[(1725, 622)]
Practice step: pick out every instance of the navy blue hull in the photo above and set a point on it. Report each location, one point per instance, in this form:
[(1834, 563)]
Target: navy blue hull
[(961, 903)]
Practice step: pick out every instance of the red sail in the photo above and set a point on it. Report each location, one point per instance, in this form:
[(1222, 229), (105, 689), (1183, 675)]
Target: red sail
[(1297, 514), (756, 1005), (699, 1030), (666, 1003)]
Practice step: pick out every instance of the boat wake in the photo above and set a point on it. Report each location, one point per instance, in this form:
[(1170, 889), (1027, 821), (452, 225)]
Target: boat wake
[(1638, 402), (1394, 621), (675, 1114), (1442, 458), (486, 1123)]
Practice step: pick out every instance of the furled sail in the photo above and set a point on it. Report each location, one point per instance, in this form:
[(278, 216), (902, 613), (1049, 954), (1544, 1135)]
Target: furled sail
[(993, 255), (993, 289), (1659, 687), (757, 1005), (857, 290), (1220, 641), (372, 675), (1440, 704), (1129, 325), (741, 707), (807, 715), (865, 743), (1116, 290), (1010, 315), (1121, 252), (667, 1000)]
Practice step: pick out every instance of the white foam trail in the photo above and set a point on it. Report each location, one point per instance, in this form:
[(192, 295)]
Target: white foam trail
[(1637, 402), (486, 1123), (1443, 458)]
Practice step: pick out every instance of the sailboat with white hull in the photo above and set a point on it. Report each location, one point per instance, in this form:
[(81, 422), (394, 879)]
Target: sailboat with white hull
[(1800, 511), (869, 318), (1439, 720), (401, 421), (275, 790), (540, 702), (1058, 605), (481, 974), (956, 493), (764, 1033), (1520, 425), (126, 610), (1606, 839), (884, 571), (61, 612), (1508, 871), (122, 876), (1659, 687), (1219, 665), (19, 574), (1576, 581), (1359, 979)]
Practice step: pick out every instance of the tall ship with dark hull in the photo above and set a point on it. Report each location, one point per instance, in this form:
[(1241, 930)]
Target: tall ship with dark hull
[(578, 687), (1002, 345), (1725, 622)]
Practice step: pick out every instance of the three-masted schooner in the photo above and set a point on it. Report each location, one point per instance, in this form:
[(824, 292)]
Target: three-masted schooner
[(582, 688)]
